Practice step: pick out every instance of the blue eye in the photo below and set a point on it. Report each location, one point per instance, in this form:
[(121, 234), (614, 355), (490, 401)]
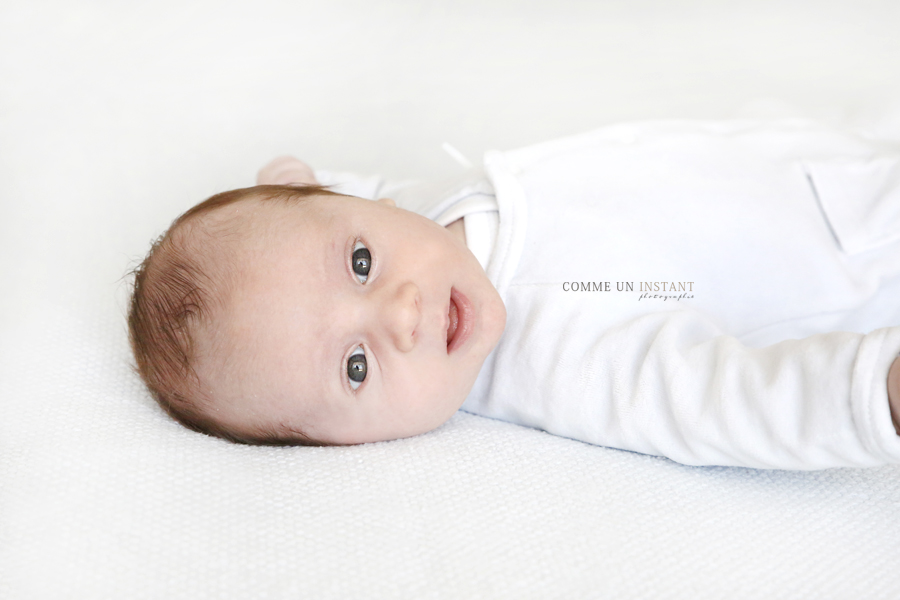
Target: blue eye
[(361, 261), (356, 368)]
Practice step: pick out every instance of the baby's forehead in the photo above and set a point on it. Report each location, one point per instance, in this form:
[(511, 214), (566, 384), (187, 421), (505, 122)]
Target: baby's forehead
[(255, 215), (278, 253), (239, 232)]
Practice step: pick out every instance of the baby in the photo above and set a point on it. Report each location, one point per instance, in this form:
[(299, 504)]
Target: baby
[(294, 315), (669, 286)]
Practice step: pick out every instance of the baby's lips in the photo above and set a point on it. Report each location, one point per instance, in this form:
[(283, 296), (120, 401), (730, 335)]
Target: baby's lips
[(453, 313), (464, 320)]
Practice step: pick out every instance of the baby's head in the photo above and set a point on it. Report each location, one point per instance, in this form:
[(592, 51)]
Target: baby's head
[(294, 315)]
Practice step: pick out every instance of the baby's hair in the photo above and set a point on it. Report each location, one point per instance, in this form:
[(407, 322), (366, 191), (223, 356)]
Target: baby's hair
[(175, 287)]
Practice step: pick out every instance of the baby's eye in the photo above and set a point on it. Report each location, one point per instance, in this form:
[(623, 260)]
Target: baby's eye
[(362, 262), (356, 367)]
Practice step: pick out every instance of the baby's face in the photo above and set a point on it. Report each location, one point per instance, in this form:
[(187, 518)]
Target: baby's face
[(353, 321)]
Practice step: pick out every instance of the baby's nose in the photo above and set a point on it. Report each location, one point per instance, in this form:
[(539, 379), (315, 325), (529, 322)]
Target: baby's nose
[(402, 315)]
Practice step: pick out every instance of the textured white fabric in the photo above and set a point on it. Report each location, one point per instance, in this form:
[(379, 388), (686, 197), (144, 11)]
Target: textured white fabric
[(122, 502), (115, 117)]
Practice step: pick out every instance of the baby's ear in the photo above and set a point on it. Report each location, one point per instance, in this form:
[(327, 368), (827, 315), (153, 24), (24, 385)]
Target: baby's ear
[(286, 170), (387, 202)]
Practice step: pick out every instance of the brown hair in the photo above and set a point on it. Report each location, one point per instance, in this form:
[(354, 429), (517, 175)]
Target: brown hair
[(174, 289)]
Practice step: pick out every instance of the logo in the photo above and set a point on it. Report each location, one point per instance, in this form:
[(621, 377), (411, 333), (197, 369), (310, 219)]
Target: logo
[(646, 290)]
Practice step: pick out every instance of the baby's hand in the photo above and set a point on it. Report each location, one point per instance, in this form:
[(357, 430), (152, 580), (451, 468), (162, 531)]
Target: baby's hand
[(286, 170), (893, 384)]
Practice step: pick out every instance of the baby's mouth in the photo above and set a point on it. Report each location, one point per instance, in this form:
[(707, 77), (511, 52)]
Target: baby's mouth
[(453, 313), (462, 319)]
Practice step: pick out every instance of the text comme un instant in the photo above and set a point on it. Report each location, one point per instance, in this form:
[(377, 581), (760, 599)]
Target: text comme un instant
[(628, 286)]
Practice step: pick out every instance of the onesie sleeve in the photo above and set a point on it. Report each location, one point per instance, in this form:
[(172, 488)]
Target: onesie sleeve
[(672, 384), (677, 387)]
